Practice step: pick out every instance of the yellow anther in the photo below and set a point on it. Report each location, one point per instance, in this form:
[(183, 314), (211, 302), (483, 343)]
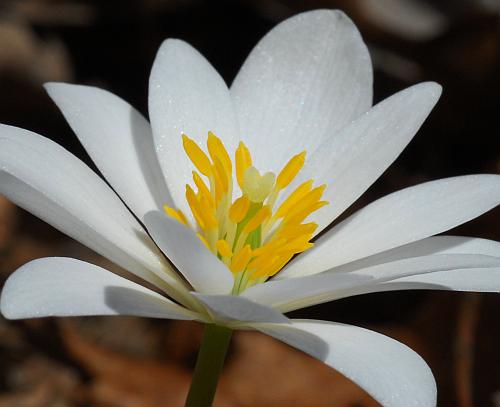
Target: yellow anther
[(216, 183), (301, 191), (245, 234), (202, 187), (307, 201), (182, 217), (257, 220), (296, 245), (216, 149), (269, 247), (290, 231), (241, 259), (176, 214), (243, 161), (257, 187), (261, 261), (276, 265), (298, 217), (223, 248), (201, 209), (239, 209), (221, 175), (290, 171), (195, 207), (197, 156), (207, 213)]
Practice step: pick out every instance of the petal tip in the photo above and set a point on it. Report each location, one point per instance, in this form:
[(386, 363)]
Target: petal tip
[(325, 12), (426, 94), (434, 88), (173, 44), (6, 308), (336, 17), (54, 86)]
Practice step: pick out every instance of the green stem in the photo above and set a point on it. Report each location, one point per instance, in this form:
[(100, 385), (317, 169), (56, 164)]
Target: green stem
[(208, 366)]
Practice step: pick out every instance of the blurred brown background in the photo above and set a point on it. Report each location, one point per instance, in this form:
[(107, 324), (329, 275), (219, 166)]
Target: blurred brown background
[(131, 362)]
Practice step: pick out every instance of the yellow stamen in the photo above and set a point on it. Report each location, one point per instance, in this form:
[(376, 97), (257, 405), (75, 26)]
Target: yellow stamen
[(223, 248), (239, 209), (176, 214), (306, 202), (294, 197), (202, 188), (243, 162), (276, 265), (217, 149), (222, 177), (257, 220), (245, 234), (290, 231), (269, 247), (300, 216), (241, 259), (216, 183), (297, 245), (290, 171), (208, 217), (196, 155), (194, 206), (261, 261)]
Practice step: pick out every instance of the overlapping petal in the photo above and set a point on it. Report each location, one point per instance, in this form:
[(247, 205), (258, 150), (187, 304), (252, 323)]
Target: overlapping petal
[(232, 309), (206, 273), (119, 141), (400, 218), (306, 79), (186, 95), (349, 161), (434, 245), (474, 279), (485, 280), (59, 286), (290, 294), (389, 371), (48, 181)]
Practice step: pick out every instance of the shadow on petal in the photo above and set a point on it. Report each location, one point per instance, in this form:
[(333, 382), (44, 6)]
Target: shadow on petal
[(126, 301)]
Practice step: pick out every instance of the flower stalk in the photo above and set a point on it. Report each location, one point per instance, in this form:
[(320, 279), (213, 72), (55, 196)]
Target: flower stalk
[(209, 366)]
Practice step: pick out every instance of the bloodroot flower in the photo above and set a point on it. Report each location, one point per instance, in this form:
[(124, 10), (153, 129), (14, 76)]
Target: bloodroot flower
[(217, 202)]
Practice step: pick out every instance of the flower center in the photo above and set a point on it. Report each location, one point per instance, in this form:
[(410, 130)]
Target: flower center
[(253, 238)]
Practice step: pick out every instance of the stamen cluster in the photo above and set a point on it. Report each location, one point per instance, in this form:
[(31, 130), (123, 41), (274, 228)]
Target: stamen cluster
[(248, 234)]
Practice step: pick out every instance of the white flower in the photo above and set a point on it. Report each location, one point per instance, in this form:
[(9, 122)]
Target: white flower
[(307, 86)]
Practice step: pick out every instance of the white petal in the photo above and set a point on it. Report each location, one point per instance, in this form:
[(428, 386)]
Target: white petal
[(352, 160), (232, 308), (59, 286), (306, 79), (479, 280), (389, 371), (402, 217), (204, 271), (434, 245), (119, 141), (46, 180), (186, 95), (290, 294), (476, 280)]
